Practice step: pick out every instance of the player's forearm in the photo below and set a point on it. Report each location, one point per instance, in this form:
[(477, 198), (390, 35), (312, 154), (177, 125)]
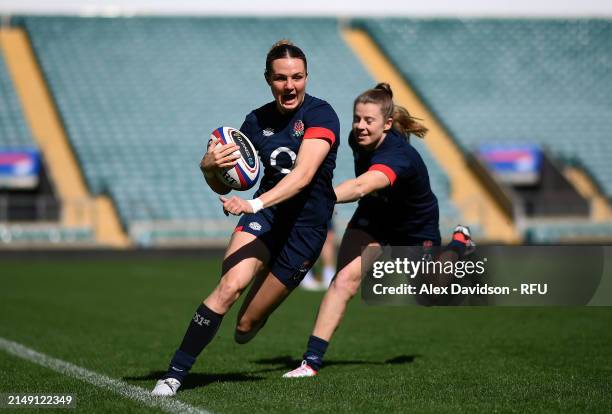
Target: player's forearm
[(366, 183), (348, 191), (309, 159), (288, 187)]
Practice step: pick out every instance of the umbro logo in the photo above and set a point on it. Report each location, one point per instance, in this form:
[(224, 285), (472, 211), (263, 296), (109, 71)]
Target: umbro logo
[(255, 226), (268, 132)]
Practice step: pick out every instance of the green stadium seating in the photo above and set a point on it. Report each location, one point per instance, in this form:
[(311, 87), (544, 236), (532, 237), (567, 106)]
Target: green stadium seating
[(14, 132), (140, 96), (569, 232), (541, 81)]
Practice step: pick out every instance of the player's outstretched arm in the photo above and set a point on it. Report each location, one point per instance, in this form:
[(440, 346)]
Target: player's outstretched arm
[(356, 188), (215, 159), (309, 158)]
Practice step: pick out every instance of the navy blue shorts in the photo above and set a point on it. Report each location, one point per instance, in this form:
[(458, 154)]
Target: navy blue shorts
[(386, 233), (293, 250)]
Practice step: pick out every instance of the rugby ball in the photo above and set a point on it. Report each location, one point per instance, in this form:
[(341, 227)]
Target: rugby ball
[(244, 174)]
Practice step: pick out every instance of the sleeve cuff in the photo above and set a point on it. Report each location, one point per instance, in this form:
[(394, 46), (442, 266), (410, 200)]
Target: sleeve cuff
[(385, 170), (320, 133)]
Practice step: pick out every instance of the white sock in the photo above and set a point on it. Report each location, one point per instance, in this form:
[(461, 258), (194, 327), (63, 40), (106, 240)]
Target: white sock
[(309, 275), (328, 275)]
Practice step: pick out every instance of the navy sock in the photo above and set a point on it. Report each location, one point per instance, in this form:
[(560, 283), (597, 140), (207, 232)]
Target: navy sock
[(315, 351), (457, 247), (180, 365), (202, 329)]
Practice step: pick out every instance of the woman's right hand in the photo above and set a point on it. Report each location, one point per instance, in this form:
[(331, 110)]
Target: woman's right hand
[(219, 157)]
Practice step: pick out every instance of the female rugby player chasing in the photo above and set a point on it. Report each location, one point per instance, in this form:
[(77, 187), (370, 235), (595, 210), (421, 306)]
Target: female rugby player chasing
[(396, 207), (282, 230)]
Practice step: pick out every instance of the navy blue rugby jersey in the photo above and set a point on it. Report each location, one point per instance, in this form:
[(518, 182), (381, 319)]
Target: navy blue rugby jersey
[(278, 138), (408, 204)]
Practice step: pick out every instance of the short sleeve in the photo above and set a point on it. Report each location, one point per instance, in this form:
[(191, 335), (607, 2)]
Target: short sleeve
[(392, 164), (321, 122), (249, 129), (247, 125)]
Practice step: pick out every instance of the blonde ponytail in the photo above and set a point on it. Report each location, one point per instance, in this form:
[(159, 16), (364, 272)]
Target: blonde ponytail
[(403, 122), (406, 124)]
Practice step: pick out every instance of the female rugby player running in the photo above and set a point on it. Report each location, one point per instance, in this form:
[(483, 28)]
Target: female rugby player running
[(282, 230), (396, 207)]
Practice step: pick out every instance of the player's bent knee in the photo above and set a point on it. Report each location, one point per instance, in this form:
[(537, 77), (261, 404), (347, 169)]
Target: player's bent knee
[(227, 293), (346, 285)]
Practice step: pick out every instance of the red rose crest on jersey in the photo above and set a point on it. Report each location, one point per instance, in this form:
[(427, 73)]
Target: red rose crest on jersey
[(298, 129)]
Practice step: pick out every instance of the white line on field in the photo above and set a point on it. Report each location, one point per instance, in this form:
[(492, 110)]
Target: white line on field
[(102, 381)]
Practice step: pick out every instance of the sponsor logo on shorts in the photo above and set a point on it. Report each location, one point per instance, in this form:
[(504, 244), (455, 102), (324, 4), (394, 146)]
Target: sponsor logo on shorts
[(268, 132), (301, 272), (253, 225), (305, 266)]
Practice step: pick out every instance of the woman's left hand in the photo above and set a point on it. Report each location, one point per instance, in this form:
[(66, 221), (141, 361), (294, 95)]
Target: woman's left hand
[(235, 206)]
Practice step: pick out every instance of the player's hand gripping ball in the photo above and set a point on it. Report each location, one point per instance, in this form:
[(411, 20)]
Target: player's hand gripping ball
[(243, 175)]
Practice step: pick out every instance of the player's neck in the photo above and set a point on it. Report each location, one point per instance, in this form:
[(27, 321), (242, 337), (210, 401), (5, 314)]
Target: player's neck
[(379, 142)]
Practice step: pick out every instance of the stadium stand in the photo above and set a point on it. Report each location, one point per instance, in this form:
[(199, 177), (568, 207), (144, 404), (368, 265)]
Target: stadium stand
[(14, 132), (139, 97), (537, 81), (569, 232), (20, 235)]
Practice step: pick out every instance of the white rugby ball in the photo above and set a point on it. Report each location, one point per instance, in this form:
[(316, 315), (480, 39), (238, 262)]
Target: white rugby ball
[(244, 174)]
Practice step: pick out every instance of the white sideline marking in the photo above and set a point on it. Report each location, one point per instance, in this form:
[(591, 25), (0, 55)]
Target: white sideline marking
[(102, 381)]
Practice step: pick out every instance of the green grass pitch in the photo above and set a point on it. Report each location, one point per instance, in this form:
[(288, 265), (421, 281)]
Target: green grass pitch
[(124, 318)]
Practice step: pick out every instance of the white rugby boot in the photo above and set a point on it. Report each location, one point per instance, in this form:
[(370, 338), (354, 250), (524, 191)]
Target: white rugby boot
[(304, 370), (463, 235), (166, 387)]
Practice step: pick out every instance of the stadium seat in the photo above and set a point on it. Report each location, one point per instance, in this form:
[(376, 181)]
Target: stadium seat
[(569, 232), (14, 132), (44, 234)]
